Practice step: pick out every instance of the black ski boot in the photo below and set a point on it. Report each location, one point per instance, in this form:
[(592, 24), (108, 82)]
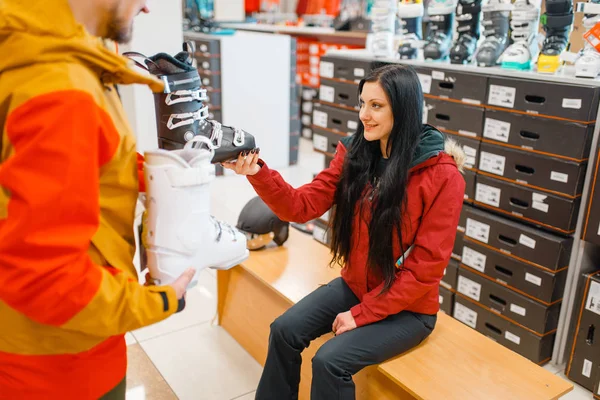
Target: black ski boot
[(439, 31), (180, 112), (557, 22), (496, 24), (410, 16), (468, 16)]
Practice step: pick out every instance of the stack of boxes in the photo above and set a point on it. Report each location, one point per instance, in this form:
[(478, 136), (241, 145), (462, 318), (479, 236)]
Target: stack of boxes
[(527, 143)]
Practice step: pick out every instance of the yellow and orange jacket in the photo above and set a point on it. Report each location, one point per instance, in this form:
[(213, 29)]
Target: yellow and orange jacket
[(68, 188)]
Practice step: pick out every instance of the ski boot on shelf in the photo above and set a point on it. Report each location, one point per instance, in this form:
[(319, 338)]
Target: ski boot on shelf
[(468, 16), (524, 22), (558, 23), (410, 15), (178, 230), (496, 22), (439, 35), (180, 112), (588, 63)]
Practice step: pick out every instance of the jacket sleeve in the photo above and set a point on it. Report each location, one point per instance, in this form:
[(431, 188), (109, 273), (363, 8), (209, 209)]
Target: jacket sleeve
[(50, 184), (424, 265), (302, 204)]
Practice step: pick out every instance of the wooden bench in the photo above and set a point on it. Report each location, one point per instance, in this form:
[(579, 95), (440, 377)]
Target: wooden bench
[(455, 362)]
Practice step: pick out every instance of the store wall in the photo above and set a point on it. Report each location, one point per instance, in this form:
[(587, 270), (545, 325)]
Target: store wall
[(158, 31)]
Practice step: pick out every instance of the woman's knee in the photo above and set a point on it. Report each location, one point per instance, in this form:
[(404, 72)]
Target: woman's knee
[(327, 359), (285, 329)]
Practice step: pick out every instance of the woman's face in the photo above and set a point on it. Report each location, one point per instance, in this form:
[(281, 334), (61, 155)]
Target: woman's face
[(375, 112)]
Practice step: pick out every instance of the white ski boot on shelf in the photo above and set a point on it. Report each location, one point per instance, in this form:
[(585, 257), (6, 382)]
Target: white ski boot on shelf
[(179, 231), (524, 22), (588, 63)]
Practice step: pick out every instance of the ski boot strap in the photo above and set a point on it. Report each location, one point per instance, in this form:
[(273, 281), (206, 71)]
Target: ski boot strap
[(557, 21), (180, 81)]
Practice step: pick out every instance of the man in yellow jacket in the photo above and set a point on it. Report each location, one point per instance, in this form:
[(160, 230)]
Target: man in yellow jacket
[(68, 189)]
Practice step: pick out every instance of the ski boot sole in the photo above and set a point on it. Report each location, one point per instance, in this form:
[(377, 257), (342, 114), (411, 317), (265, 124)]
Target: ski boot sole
[(548, 64)]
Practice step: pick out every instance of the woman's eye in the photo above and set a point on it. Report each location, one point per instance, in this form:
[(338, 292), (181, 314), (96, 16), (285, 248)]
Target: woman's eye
[(375, 105)]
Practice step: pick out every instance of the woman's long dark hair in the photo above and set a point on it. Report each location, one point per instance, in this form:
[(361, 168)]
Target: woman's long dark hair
[(403, 89)]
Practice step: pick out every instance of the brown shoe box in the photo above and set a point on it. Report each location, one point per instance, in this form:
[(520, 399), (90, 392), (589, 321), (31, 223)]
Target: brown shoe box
[(591, 231), (520, 309), (451, 117), (450, 274), (457, 251), (543, 135), (531, 206), (343, 121), (325, 140), (208, 63), (321, 232), (344, 68), (518, 339), (543, 285), (341, 93), (543, 172), (465, 87), (569, 101), (446, 298), (470, 147), (470, 177), (520, 241), (462, 221), (584, 353)]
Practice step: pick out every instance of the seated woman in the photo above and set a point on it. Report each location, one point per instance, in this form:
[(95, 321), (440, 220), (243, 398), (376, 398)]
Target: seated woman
[(397, 193)]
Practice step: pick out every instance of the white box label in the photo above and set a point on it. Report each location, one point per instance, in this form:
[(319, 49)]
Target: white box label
[(467, 133), (502, 96), (527, 241), (473, 259), (319, 234), (536, 280), (325, 216), (441, 299), (587, 368), (540, 206), (425, 82), (438, 75), (319, 142), (320, 118), (469, 288), (593, 298), (488, 195), (327, 93), (539, 197), (492, 163), (465, 315), (559, 177), (518, 309), (572, 103), (478, 230), (352, 125), (326, 69), (359, 72), (496, 130), (470, 151), (512, 337)]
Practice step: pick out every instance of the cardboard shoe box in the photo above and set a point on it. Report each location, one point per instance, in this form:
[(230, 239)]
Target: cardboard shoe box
[(343, 121), (518, 339), (470, 179), (321, 233), (341, 93), (547, 287), (542, 172), (209, 63), (344, 68), (518, 240), (446, 298), (460, 119), (591, 228), (584, 348), (558, 100), (462, 221), (457, 250), (536, 134), (450, 275), (468, 88), (553, 212), (519, 309), (471, 149), (327, 161), (325, 140)]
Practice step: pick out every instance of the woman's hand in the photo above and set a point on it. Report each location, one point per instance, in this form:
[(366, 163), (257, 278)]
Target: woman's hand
[(344, 322), (246, 164)]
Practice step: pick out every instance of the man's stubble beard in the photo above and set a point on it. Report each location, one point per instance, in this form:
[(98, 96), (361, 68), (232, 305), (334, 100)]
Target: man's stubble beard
[(118, 31)]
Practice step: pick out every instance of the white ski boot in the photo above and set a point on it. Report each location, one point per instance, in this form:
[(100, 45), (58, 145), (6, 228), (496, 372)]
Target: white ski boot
[(179, 231), (524, 22), (588, 63)]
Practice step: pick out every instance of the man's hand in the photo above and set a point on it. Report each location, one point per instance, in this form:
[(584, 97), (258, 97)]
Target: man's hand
[(181, 283), (344, 322)]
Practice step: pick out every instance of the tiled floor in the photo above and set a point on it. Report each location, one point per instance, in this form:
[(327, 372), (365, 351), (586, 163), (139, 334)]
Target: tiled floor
[(188, 357)]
